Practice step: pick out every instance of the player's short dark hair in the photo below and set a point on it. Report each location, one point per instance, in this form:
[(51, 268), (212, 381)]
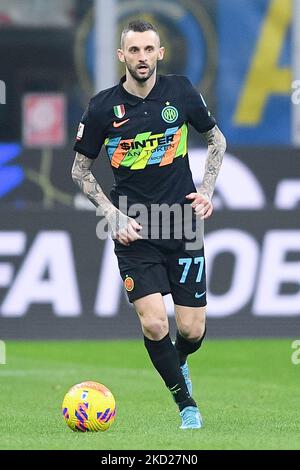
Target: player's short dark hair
[(138, 26)]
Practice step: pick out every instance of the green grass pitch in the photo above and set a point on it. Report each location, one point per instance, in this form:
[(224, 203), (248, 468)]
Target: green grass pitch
[(247, 390)]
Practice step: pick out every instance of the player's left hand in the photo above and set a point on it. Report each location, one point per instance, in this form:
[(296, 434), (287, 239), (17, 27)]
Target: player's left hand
[(201, 204)]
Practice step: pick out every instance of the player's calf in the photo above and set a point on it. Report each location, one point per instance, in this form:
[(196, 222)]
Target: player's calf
[(184, 346), (165, 360)]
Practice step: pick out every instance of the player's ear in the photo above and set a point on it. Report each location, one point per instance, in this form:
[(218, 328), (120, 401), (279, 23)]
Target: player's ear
[(161, 53), (121, 55)]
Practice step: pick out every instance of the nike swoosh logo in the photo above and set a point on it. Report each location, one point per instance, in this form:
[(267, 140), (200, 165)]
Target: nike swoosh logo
[(198, 296), (119, 124)]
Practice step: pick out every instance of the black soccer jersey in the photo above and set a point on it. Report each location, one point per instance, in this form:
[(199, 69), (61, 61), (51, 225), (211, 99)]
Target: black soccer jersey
[(146, 138)]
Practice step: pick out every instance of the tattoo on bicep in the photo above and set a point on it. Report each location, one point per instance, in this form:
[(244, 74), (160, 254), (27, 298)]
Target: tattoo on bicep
[(216, 149)]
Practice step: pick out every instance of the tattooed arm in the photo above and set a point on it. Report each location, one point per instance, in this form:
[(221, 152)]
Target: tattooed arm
[(216, 149), (123, 227)]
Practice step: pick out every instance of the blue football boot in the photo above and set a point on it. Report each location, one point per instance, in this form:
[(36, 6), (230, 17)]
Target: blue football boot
[(191, 418)]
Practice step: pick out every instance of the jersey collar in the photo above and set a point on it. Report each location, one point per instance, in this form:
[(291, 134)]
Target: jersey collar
[(132, 99)]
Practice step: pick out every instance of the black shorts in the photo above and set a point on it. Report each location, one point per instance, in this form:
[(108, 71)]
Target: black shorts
[(165, 266)]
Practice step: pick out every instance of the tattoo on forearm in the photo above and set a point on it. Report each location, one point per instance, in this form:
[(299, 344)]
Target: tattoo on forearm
[(84, 178), (216, 149)]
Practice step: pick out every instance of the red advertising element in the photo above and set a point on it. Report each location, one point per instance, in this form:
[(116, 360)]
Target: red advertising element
[(44, 120)]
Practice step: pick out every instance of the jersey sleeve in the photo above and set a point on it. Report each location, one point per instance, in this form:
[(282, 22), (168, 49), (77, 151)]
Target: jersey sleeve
[(90, 134), (197, 112)]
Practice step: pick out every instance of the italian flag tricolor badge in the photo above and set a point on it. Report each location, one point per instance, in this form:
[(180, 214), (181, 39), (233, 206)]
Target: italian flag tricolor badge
[(119, 111)]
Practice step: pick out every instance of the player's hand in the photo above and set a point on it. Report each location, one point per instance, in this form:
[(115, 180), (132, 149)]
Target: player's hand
[(201, 204), (129, 233), (124, 228)]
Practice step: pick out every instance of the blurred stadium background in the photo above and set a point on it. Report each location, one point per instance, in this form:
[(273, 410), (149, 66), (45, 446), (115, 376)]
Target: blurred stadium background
[(57, 280)]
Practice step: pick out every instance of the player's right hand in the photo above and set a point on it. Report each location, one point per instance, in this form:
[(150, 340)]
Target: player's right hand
[(125, 229), (129, 233)]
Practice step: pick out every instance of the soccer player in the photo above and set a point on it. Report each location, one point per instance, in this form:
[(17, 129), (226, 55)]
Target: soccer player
[(143, 123)]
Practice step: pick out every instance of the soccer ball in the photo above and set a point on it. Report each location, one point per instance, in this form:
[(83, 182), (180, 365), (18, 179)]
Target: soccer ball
[(89, 406)]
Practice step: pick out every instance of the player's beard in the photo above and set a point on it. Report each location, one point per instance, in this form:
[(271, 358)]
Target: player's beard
[(134, 73)]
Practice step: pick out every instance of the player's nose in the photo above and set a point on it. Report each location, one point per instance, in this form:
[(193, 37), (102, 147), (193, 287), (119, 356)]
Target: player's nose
[(142, 57)]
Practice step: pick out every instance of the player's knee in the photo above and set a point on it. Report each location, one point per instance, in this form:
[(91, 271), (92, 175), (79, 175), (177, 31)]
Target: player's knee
[(155, 328), (192, 331)]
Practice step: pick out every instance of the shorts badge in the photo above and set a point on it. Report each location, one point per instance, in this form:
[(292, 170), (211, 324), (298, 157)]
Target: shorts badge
[(129, 283)]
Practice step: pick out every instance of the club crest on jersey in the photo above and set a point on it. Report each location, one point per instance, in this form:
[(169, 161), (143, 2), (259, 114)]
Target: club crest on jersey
[(119, 111), (169, 114), (129, 283)]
